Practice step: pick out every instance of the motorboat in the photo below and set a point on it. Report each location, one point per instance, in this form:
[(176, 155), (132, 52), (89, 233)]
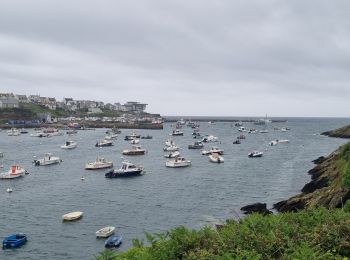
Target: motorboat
[(52, 132), (131, 137), (105, 232), (23, 131), (237, 141), (273, 143), (242, 129), (283, 129), (282, 141), (210, 138), (39, 133), (177, 132), (135, 141), (114, 130), (69, 145), (216, 158), (111, 136), (47, 160), (114, 241), (135, 150), (172, 154), (196, 145), (126, 170), (72, 216), (14, 172), (264, 131), (253, 131), (104, 143), (214, 149), (177, 162), (255, 154), (169, 142), (171, 148), (14, 240), (146, 137), (13, 132), (99, 163)]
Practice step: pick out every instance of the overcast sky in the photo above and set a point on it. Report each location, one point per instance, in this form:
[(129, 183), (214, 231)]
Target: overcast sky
[(198, 57)]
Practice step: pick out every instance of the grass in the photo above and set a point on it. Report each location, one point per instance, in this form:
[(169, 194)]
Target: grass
[(309, 234)]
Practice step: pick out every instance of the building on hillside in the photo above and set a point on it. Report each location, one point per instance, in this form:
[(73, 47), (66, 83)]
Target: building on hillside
[(22, 98), (110, 106), (119, 107), (45, 117), (135, 106), (100, 104), (9, 102), (34, 99), (94, 110)]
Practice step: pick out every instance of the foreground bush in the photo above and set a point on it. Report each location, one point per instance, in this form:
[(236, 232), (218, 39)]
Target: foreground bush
[(309, 234)]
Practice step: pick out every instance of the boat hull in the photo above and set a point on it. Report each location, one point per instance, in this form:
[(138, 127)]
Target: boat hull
[(14, 241), (115, 174)]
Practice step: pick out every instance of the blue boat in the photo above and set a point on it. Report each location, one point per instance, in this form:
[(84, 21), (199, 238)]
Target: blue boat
[(14, 240), (114, 241)]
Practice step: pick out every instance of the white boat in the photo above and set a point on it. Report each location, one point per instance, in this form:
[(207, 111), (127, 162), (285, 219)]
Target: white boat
[(99, 163), (14, 172), (177, 132), (253, 131), (13, 132), (104, 143), (171, 148), (169, 142), (47, 160), (135, 141), (255, 154), (72, 216), (111, 136), (283, 129), (39, 133), (264, 131), (216, 158), (172, 154), (69, 145), (283, 141), (210, 138), (105, 232), (177, 162), (135, 150), (242, 129), (214, 149), (273, 143)]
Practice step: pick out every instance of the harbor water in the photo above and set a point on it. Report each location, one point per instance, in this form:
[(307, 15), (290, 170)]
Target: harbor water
[(163, 198)]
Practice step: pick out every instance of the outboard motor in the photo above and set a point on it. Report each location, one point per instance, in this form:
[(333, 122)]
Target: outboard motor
[(36, 162)]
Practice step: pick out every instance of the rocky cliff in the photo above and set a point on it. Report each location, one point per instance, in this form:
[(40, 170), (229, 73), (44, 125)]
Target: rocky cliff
[(343, 132)]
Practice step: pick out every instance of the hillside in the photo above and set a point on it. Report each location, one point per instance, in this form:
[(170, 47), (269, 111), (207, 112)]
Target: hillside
[(343, 132)]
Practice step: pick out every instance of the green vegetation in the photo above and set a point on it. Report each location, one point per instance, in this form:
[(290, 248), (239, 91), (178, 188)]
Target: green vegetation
[(309, 234), (345, 155)]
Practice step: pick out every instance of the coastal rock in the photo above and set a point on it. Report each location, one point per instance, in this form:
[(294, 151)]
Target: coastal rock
[(324, 189), (319, 160), (256, 208), (343, 132)]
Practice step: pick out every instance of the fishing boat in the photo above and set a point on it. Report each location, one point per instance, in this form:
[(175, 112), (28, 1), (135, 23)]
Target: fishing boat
[(126, 170), (47, 160), (255, 154), (172, 154), (135, 150), (14, 172), (146, 137), (69, 145), (131, 137), (105, 232), (99, 163), (72, 216), (177, 132), (214, 149), (14, 241), (103, 143), (114, 241), (216, 158), (177, 162), (196, 145)]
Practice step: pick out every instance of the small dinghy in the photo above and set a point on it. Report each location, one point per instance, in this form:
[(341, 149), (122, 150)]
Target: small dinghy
[(14, 241), (114, 241), (255, 154), (69, 145), (216, 158), (105, 232), (72, 216)]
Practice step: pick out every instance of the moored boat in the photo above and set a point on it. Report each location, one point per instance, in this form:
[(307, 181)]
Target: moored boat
[(177, 132), (47, 160), (216, 158), (14, 240), (114, 241), (105, 232), (69, 145), (99, 163), (210, 138), (131, 137), (135, 141), (146, 137), (72, 216), (172, 154), (177, 162), (135, 150), (255, 154), (104, 143), (196, 145), (214, 149), (126, 170), (14, 172), (13, 132)]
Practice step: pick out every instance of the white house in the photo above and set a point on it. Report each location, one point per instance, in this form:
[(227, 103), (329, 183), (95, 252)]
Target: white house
[(9, 102)]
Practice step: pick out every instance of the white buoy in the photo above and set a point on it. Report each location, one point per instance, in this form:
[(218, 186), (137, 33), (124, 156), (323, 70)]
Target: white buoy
[(82, 178), (9, 190)]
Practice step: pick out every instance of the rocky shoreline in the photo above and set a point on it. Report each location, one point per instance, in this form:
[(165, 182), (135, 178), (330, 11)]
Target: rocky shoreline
[(343, 132)]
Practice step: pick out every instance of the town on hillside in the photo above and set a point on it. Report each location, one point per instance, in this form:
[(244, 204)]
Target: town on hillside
[(34, 109)]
